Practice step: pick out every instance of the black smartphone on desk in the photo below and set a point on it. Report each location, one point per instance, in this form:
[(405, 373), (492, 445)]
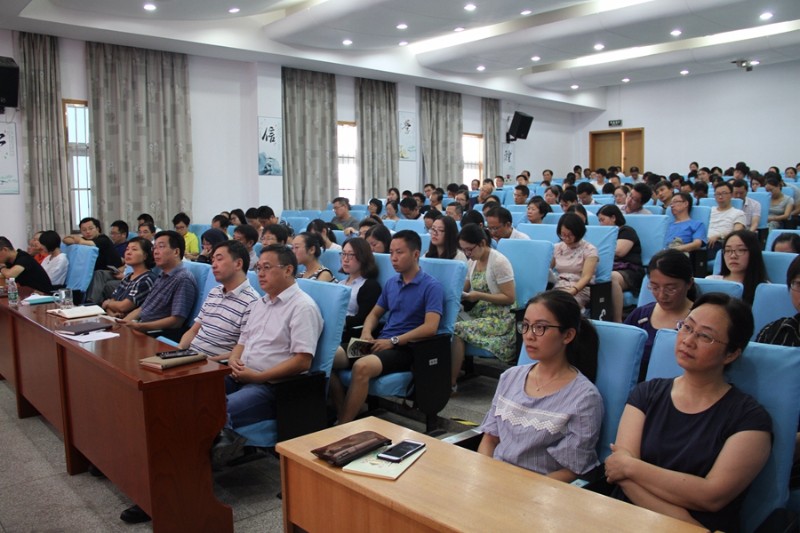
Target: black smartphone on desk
[(401, 451), (176, 353)]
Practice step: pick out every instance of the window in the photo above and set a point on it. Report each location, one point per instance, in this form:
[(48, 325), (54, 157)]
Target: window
[(472, 145), (347, 139), (79, 168)]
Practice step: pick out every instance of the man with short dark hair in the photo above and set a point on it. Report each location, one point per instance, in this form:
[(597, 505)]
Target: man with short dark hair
[(409, 208), (343, 218), (118, 233), (664, 193), (415, 301), (247, 235), (266, 216), (91, 235), (454, 210), (172, 297), (21, 266), (428, 189), (181, 223), (501, 225), (633, 173), (147, 231), (585, 192), (637, 199), (699, 190), (724, 218), (452, 190), (221, 222), (521, 193), (499, 182), (274, 234), (750, 207)]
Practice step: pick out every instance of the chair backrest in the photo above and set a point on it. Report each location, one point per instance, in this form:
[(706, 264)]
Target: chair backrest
[(201, 273), (773, 234), (257, 249), (340, 236), (540, 232), (417, 225), (199, 229), (331, 259), (771, 374), (651, 230), (552, 218), (451, 274), (327, 215), (390, 224), (531, 263), (81, 266), (298, 224), (777, 264), (712, 202), (385, 268), (771, 302), (605, 239), (701, 213), (310, 213), (763, 199), (290, 213), (514, 208), (425, 241), (704, 285), (252, 277), (618, 361), (332, 300)]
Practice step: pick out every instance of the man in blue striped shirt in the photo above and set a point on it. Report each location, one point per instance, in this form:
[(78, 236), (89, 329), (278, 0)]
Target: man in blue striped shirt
[(224, 313)]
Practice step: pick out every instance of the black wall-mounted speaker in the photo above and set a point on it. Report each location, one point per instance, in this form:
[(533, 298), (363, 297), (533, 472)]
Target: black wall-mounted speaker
[(9, 82), (520, 126)]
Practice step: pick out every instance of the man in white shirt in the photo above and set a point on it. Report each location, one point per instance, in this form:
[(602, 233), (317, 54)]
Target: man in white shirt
[(500, 225), (724, 218), (751, 208), (637, 198)]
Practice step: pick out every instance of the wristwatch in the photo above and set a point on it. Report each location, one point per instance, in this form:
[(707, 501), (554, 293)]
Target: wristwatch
[(395, 340)]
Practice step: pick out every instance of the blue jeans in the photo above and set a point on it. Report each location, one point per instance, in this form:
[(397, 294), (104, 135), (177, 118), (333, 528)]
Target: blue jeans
[(248, 403)]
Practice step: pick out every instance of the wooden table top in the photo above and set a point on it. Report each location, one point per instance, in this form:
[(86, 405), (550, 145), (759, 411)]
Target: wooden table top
[(451, 488)]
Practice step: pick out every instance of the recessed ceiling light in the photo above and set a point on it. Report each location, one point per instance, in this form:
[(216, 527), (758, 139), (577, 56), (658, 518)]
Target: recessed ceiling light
[(347, 42), (458, 29), (150, 7), (574, 87), (536, 58), (625, 80), (765, 16), (754, 62), (520, 68), (402, 26), (599, 46), (402, 43), (684, 72), (526, 12), (480, 68), (470, 7), (234, 10), (675, 33)]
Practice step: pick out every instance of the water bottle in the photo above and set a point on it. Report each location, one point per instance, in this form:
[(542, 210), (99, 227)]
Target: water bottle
[(13, 292)]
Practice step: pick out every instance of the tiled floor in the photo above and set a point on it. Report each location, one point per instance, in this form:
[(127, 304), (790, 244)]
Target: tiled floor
[(36, 493)]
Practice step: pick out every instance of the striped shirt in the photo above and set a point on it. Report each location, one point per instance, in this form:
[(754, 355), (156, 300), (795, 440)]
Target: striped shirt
[(222, 318), (136, 289)]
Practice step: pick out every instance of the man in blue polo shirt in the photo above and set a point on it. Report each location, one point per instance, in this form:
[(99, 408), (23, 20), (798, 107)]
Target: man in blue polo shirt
[(415, 301), (172, 297)]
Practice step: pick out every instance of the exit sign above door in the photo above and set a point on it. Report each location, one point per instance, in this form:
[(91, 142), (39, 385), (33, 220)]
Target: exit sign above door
[(613, 123)]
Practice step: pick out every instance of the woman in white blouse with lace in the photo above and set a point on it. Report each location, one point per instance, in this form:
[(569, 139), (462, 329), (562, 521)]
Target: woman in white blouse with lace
[(56, 262)]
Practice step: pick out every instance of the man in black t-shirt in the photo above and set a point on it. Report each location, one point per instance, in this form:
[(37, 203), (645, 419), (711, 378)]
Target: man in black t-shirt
[(91, 235), (21, 265)]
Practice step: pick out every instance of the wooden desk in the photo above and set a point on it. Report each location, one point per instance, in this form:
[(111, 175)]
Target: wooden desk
[(447, 489), (149, 432)]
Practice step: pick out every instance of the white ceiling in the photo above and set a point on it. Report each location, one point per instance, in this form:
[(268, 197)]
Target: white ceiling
[(496, 36)]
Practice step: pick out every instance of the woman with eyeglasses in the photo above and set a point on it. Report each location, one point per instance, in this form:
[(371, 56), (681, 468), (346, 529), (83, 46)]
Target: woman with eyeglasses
[(444, 240), (684, 233), (308, 248), (574, 259), (546, 416), (689, 447), (742, 261), (489, 292), (673, 288)]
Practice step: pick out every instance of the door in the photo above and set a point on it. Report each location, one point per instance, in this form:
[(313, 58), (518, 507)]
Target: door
[(623, 148)]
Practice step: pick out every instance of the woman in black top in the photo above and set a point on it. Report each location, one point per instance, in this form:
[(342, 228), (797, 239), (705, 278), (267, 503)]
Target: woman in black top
[(628, 269)]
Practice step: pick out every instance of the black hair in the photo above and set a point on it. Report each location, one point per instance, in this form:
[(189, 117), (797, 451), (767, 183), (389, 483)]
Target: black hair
[(280, 232), (311, 240), (148, 225), (247, 231), (582, 351), (793, 271), (611, 210), (214, 236), (585, 187), (144, 217), (700, 186), (740, 318), (541, 205), (93, 221), (394, 205), (239, 214), (363, 253), (147, 249), (473, 234), (457, 206), (523, 189), (688, 198), (285, 255), (175, 240), (675, 264), (181, 217), (609, 188), (409, 203), (378, 205), (265, 212), (569, 196), (555, 189), (450, 240), (122, 226), (382, 234), (502, 215), (411, 237), (573, 223), (50, 240), (580, 210), (792, 238), (236, 250), (472, 217), (756, 272), (434, 214), (222, 220)]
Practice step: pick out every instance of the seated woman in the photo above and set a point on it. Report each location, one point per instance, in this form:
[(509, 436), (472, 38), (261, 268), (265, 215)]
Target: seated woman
[(307, 249), (673, 287), (552, 195), (56, 262), (780, 205), (379, 238), (237, 217), (430, 217), (683, 233), (786, 331), (393, 194), (621, 195), (274, 234), (742, 261), (546, 416), (375, 206), (628, 270), (209, 239), (392, 207), (444, 240), (325, 232), (134, 287), (787, 243), (689, 447), (537, 209), (574, 259), (490, 289)]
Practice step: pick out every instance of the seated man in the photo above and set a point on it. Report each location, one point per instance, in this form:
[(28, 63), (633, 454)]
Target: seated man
[(181, 223), (119, 236), (343, 218), (724, 218), (278, 341), (409, 208), (172, 297), (274, 234), (585, 192), (664, 192), (21, 266), (500, 224), (147, 231), (521, 193), (415, 301), (454, 210), (247, 235), (217, 327), (91, 235), (638, 197)]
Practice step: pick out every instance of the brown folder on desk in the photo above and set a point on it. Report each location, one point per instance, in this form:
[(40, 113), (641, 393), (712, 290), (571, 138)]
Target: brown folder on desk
[(157, 363), (343, 451)]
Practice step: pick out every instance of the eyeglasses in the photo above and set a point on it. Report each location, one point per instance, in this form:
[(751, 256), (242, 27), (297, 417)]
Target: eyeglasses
[(468, 250), (795, 285), (434, 231), (347, 255), (735, 251), (266, 268), (667, 290), (705, 338), (537, 329), (494, 229)]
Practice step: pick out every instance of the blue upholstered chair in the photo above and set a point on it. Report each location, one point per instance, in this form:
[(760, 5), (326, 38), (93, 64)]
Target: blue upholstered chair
[(298, 224), (326, 215), (428, 383), (340, 236), (331, 259), (777, 264), (201, 273), (81, 267), (199, 229), (417, 225), (539, 232), (763, 199), (651, 230), (310, 214), (771, 302), (605, 239), (704, 285), (301, 400), (618, 363), (290, 213), (771, 374), (773, 234), (252, 277)]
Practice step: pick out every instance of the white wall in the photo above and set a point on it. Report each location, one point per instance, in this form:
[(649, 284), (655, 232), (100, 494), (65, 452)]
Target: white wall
[(12, 207), (715, 119)]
